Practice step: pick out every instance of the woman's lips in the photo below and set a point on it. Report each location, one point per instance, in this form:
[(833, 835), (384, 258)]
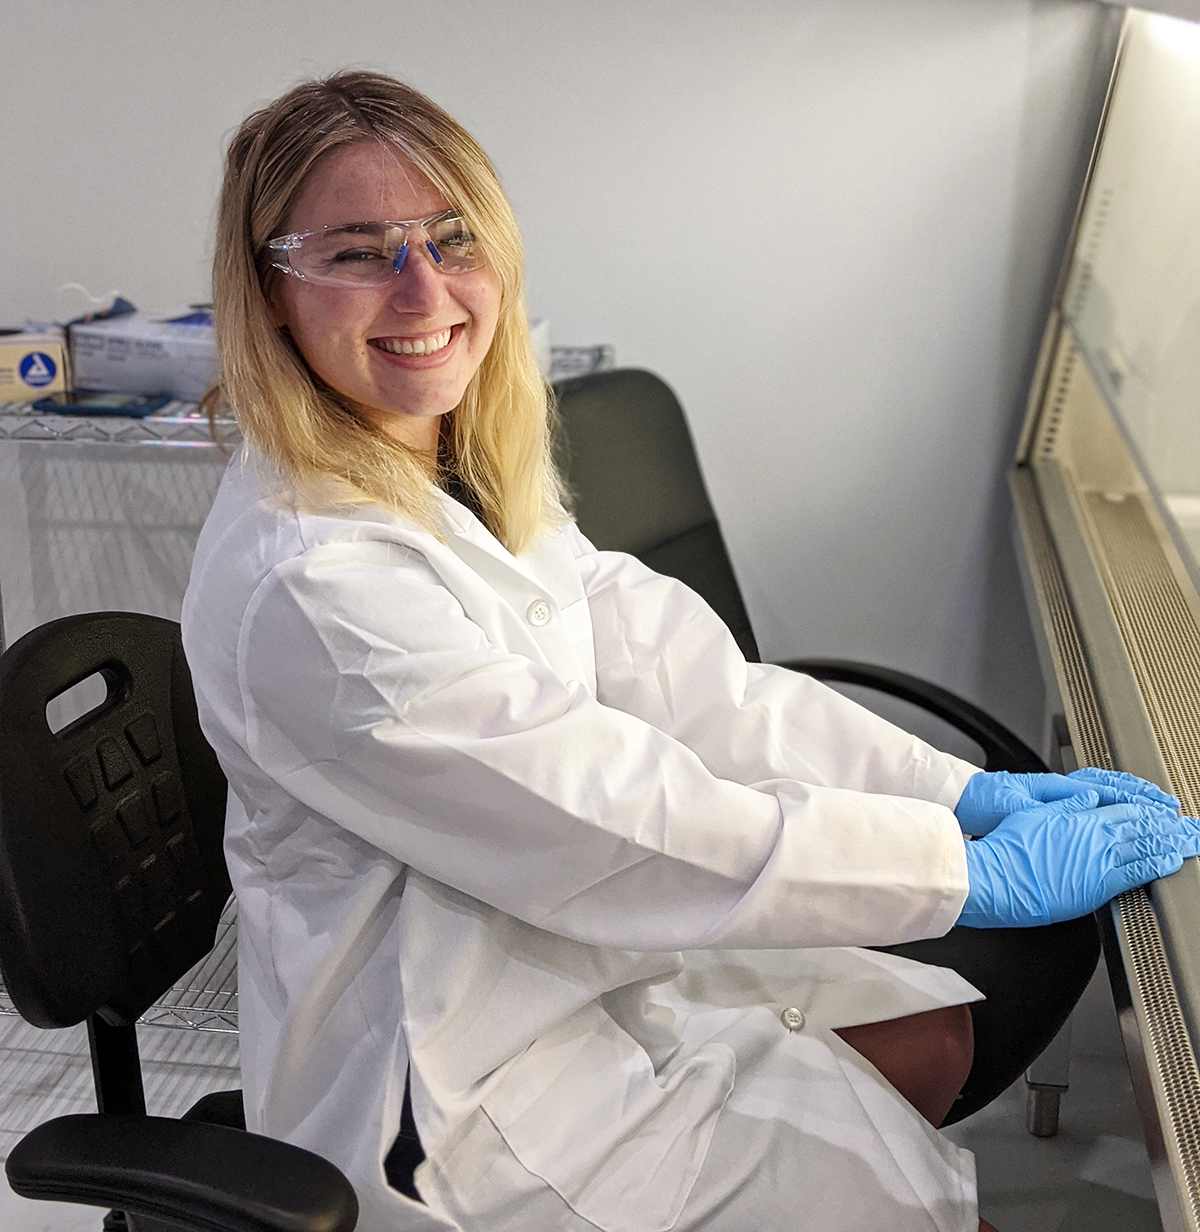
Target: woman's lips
[(418, 350), (426, 345)]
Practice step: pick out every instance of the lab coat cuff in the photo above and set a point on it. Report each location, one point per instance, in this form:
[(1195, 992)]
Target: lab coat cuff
[(955, 783), (957, 882)]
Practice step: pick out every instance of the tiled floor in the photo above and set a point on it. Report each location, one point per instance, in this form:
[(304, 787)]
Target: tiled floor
[(1093, 1177)]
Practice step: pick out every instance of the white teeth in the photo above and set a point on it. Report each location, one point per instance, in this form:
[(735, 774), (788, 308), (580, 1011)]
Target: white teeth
[(414, 346)]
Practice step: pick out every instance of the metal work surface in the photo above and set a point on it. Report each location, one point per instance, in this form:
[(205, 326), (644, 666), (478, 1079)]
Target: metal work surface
[(1158, 1044)]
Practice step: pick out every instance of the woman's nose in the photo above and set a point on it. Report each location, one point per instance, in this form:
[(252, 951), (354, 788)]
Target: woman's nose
[(419, 286)]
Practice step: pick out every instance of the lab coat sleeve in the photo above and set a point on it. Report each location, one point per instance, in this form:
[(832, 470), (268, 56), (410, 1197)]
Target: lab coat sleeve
[(373, 700), (663, 654)]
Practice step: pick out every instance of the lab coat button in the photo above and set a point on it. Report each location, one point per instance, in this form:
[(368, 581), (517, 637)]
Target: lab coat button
[(539, 613), (792, 1018)]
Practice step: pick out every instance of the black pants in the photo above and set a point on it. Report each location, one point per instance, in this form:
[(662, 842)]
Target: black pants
[(1032, 978)]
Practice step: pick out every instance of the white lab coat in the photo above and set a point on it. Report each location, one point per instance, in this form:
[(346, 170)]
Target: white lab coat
[(480, 805)]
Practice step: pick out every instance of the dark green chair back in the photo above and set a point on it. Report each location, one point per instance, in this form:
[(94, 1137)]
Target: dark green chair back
[(631, 467), (630, 464)]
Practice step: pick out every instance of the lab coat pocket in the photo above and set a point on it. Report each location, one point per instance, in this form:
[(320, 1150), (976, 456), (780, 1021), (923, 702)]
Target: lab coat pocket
[(584, 1110)]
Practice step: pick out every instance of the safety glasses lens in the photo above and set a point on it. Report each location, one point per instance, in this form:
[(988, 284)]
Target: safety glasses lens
[(457, 249), (368, 254), (355, 255)]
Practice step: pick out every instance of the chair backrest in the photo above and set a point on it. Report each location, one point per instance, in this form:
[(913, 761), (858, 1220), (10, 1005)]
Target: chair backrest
[(629, 461), (630, 464), (112, 877)]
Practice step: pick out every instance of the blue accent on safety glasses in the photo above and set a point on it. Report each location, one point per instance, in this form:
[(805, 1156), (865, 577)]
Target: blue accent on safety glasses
[(402, 256)]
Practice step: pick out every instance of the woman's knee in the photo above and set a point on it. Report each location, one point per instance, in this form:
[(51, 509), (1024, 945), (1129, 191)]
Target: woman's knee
[(926, 1057)]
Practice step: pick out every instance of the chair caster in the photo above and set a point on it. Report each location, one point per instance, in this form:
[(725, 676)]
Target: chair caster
[(1041, 1109)]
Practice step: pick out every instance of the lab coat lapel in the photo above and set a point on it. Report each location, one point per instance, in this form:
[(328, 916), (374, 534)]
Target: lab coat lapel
[(469, 539)]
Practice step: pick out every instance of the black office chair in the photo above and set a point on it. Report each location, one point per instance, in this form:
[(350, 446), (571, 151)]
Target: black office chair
[(113, 880), (629, 460)]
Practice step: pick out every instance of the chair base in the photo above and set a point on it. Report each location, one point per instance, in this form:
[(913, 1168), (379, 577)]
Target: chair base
[(1041, 1110)]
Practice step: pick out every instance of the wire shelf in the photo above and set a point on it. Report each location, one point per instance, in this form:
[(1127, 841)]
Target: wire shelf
[(177, 423), (206, 998)]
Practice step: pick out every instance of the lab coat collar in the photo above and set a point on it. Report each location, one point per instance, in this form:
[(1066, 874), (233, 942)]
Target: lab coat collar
[(541, 571)]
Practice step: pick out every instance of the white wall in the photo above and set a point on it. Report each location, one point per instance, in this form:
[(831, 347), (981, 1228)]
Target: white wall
[(832, 227)]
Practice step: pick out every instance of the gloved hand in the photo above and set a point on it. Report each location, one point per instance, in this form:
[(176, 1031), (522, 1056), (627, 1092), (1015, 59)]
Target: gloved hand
[(1061, 860), (988, 798)]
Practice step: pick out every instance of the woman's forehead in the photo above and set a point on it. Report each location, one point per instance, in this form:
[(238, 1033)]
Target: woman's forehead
[(363, 182)]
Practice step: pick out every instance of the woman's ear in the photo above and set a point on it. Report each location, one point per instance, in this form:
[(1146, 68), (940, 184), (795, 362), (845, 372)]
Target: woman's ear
[(275, 308)]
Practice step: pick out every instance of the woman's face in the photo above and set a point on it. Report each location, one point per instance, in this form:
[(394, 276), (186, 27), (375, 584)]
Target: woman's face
[(353, 337)]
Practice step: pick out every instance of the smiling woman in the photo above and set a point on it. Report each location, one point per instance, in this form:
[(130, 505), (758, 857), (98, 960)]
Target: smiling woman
[(510, 818)]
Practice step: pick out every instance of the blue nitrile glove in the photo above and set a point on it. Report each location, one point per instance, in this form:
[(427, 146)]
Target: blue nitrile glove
[(988, 798), (1061, 860), (1127, 787)]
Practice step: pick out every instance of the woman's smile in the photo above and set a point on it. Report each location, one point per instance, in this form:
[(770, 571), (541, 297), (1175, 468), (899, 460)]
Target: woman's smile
[(431, 348)]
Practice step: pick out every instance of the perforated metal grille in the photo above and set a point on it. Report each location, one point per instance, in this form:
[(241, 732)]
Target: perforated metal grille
[(1170, 1045), (1163, 642), (1160, 634)]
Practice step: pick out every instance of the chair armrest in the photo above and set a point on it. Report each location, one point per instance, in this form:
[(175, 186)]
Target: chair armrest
[(206, 1177), (1002, 749)]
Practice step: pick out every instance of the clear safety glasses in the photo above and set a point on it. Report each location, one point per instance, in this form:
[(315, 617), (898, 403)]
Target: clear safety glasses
[(368, 254)]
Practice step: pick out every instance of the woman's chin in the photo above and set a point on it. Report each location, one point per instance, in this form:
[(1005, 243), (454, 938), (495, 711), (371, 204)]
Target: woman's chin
[(414, 422)]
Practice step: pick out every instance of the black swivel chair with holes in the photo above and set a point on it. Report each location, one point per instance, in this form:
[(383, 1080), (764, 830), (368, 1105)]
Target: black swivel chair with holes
[(112, 879), (630, 464)]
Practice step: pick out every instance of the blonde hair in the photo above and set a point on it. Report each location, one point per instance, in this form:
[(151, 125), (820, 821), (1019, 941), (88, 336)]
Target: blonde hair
[(497, 440)]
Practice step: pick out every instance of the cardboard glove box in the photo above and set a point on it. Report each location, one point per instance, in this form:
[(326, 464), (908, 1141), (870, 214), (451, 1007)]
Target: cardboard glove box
[(140, 355), (32, 365)]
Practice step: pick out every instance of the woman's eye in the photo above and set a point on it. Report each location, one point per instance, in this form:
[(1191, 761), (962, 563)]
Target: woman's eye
[(357, 256)]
